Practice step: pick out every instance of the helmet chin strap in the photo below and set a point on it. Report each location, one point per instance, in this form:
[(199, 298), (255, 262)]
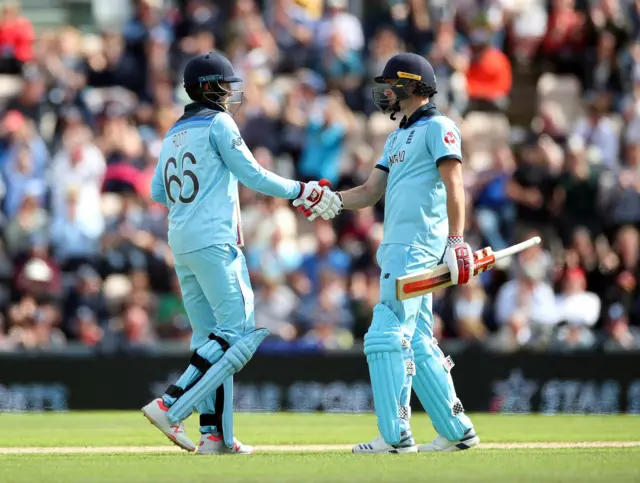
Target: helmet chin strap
[(395, 108)]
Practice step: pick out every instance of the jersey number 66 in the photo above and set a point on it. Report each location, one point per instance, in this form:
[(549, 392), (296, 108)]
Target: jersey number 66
[(174, 178)]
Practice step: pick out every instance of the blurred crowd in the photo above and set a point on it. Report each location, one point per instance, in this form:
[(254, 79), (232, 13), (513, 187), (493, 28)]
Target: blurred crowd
[(84, 256)]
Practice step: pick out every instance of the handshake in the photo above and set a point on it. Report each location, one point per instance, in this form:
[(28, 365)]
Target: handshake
[(317, 200)]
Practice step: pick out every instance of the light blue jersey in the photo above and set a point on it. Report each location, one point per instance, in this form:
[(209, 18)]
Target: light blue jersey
[(416, 198), (415, 232), (202, 159)]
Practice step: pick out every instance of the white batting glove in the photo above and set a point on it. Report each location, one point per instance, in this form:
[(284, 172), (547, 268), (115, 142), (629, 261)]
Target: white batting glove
[(317, 200), (459, 258)]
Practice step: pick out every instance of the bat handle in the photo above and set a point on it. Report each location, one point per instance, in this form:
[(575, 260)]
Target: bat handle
[(483, 260)]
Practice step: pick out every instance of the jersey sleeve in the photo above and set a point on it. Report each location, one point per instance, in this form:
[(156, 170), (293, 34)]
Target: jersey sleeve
[(158, 193), (226, 139), (443, 140), (383, 162)]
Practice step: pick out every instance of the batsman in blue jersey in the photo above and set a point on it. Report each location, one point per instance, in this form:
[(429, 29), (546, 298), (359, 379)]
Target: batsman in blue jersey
[(201, 161), (421, 174)]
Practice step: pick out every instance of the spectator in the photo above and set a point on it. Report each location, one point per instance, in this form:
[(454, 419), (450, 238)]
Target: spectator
[(327, 314), (21, 179), (494, 211), (577, 194), (29, 223), (564, 44), (85, 304), (450, 59), (114, 66), (526, 305), (78, 169), (326, 256), (292, 30), (489, 75), (327, 129), (532, 185), (273, 260), (625, 199), (469, 309), (275, 307), (598, 131), (342, 67), (16, 39), (579, 309), (28, 102), (622, 337), (132, 332), (602, 73), (172, 321), (338, 19)]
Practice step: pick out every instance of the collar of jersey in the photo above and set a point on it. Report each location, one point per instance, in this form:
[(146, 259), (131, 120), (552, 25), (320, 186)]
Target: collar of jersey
[(427, 110), (195, 107)]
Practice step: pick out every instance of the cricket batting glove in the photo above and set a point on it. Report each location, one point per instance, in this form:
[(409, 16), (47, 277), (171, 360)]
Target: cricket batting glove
[(317, 199), (459, 258)]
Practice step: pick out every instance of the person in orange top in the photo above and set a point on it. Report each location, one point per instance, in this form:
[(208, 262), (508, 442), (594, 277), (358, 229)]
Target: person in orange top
[(489, 77), (16, 39)]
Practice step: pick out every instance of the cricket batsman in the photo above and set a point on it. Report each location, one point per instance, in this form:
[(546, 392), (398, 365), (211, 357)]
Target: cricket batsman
[(421, 174), (202, 159)]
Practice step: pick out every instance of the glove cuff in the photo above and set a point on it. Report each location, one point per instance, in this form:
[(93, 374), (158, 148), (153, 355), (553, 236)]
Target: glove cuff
[(454, 240), (302, 187)]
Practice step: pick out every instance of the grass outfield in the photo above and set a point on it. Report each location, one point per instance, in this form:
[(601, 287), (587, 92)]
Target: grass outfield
[(59, 432)]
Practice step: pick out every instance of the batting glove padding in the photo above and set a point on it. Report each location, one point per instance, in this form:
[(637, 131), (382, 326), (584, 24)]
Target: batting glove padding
[(459, 258), (317, 199)]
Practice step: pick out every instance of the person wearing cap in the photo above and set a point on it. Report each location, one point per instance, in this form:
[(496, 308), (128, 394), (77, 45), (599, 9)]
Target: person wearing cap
[(421, 174), (203, 156)]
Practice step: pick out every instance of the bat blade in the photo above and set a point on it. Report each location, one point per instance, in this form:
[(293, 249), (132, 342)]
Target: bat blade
[(438, 277)]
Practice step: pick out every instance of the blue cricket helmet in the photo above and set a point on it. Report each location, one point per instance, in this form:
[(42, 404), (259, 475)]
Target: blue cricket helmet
[(209, 67), (207, 72), (399, 71)]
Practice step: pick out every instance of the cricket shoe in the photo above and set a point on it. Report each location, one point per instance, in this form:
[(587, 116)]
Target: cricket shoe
[(406, 445), (156, 412), (440, 444), (213, 443)]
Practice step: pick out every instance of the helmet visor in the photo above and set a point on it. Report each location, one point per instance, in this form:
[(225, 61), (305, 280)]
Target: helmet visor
[(387, 95), (224, 96)]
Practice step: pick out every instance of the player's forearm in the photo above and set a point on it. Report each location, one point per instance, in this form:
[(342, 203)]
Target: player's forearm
[(456, 208), (356, 198)]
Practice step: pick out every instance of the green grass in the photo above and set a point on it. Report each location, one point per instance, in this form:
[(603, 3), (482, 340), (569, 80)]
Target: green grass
[(513, 466), (130, 428)]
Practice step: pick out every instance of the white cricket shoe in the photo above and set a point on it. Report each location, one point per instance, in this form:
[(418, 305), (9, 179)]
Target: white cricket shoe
[(378, 445), (214, 444), (156, 412), (443, 445)]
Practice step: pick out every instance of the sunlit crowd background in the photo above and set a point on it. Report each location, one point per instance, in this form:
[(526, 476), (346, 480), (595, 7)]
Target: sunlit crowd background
[(547, 94)]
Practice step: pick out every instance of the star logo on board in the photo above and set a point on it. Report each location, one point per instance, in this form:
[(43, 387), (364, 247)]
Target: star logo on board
[(513, 395)]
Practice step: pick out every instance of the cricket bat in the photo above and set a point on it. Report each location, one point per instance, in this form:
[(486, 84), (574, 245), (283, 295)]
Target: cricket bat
[(427, 281)]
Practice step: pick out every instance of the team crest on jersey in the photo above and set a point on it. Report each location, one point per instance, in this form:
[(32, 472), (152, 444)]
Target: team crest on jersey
[(392, 141), (410, 138), (450, 138), (237, 142)]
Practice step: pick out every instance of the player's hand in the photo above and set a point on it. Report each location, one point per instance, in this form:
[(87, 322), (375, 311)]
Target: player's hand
[(317, 199), (459, 258)]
